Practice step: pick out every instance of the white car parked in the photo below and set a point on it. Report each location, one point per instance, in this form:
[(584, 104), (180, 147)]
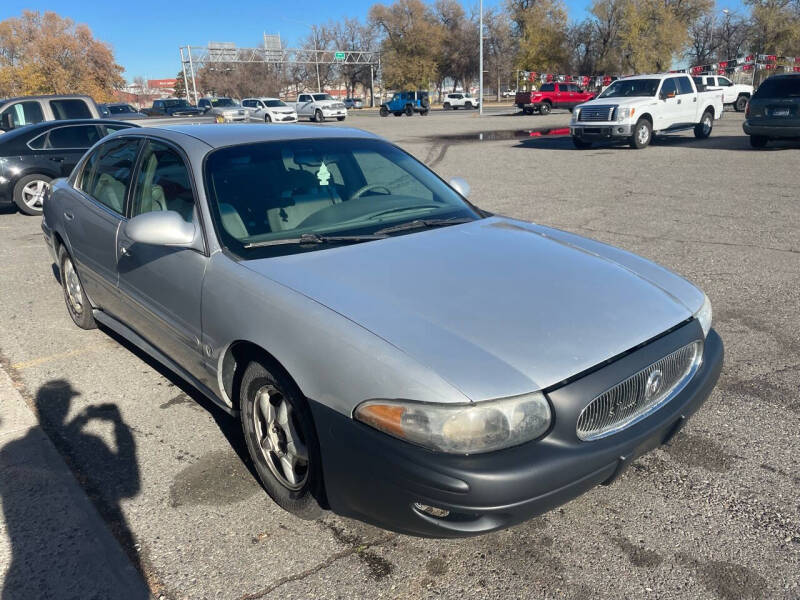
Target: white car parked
[(318, 107), (733, 94), (270, 110), (459, 100)]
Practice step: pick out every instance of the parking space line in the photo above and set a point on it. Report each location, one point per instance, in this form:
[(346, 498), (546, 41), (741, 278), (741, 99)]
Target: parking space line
[(45, 359)]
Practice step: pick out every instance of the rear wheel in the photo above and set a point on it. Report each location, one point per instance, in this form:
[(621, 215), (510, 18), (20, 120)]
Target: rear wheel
[(545, 108), (281, 438), (758, 141), (78, 305), (424, 113), (29, 193), (581, 144), (384, 112), (468, 105), (446, 106), (527, 111), (703, 129), (741, 103), (642, 134), (318, 117), (409, 110)]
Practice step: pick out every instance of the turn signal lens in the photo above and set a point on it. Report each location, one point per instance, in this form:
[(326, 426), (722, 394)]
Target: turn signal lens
[(461, 428), (704, 315)]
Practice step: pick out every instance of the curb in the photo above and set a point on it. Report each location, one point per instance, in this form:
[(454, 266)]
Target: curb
[(53, 540)]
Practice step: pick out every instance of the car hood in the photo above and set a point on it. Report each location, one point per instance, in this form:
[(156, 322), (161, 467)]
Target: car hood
[(495, 307), (624, 101)]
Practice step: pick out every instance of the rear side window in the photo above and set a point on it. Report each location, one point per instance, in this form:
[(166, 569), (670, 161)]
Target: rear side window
[(76, 137), (107, 173), (548, 87), (70, 109), (721, 81), (779, 87), (684, 85), (22, 113)]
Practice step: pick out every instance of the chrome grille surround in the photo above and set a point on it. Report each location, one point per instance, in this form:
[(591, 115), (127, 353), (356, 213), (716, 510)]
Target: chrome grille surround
[(596, 113), (639, 395)]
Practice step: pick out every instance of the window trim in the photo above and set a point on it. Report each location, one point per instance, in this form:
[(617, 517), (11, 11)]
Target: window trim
[(80, 171), (49, 131)]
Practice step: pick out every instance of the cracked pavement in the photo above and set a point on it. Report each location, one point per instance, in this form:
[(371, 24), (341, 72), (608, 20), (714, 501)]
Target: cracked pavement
[(715, 515)]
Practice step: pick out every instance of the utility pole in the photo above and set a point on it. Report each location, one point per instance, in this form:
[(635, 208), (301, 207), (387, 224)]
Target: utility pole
[(316, 58), (185, 81), (480, 60), (191, 69)]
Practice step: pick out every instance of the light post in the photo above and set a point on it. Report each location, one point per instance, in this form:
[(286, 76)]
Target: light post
[(480, 61), (313, 29), (724, 11)]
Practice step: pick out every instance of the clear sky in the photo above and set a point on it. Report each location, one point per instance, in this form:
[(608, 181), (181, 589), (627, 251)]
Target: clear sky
[(146, 34)]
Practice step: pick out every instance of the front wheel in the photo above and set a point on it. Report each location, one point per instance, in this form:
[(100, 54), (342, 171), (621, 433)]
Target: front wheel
[(29, 193), (545, 108), (384, 112), (758, 141), (581, 144), (642, 133), (741, 103), (446, 106), (267, 119), (281, 438), (78, 306), (318, 117), (703, 129), (409, 111), (468, 105)]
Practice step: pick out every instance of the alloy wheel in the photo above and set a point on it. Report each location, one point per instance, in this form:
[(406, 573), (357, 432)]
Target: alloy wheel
[(73, 287), (33, 194)]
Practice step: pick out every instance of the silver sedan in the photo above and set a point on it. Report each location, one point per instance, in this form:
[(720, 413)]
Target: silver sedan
[(394, 353)]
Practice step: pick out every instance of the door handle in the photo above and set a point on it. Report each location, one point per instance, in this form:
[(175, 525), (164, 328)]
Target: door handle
[(694, 99), (56, 159), (124, 251), (69, 216), (679, 100)]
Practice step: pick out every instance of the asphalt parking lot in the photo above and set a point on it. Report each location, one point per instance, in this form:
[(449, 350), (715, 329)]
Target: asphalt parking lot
[(715, 515)]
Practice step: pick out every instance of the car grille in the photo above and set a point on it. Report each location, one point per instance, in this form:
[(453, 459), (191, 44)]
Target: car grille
[(596, 113), (632, 400)]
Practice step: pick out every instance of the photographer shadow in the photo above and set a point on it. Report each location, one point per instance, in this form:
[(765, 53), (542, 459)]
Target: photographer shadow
[(59, 548)]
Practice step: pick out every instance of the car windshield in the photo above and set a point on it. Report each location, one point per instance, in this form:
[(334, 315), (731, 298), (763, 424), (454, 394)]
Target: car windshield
[(176, 103), (628, 88), (323, 97), (274, 103), (779, 87), (222, 103), (271, 191)]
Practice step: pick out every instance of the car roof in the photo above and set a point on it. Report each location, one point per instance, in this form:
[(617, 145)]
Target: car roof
[(45, 125), (654, 76), (47, 97), (262, 98), (221, 135)]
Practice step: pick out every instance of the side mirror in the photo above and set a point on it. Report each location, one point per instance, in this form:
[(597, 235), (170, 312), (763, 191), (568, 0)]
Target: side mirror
[(460, 185), (668, 95), (161, 228)]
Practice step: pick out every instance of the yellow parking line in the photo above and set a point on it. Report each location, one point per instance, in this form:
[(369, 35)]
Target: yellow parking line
[(45, 359)]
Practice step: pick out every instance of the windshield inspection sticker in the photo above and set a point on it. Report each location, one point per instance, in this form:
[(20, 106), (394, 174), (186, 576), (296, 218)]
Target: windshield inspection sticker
[(323, 175)]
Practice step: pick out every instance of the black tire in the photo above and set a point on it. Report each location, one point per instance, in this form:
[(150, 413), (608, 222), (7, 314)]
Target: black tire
[(318, 116), (642, 134), (22, 197), (446, 106), (78, 306), (384, 112), (758, 141), (703, 129), (340, 118), (468, 105), (267, 119), (581, 144), (424, 113), (545, 108), (307, 500), (741, 103), (409, 110)]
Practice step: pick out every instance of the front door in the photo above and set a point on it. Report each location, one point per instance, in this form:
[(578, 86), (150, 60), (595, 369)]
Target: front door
[(92, 218), (161, 286), (669, 114)]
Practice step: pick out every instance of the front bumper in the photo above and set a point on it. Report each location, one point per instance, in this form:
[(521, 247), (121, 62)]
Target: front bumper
[(771, 131), (334, 112), (375, 478), (597, 131)]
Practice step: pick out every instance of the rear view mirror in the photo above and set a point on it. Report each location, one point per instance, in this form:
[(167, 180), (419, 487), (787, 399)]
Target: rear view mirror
[(460, 185), (161, 228)]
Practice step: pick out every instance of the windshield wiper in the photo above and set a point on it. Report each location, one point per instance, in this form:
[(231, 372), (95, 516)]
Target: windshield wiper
[(313, 238), (423, 224)]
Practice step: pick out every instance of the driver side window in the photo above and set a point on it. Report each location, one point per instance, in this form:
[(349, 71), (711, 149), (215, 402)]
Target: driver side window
[(163, 183), (668, 88)]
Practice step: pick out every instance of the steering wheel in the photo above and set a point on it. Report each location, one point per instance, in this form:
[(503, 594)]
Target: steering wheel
[(363, 190)]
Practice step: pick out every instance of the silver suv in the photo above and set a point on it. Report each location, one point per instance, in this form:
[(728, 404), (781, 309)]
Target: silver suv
[(226, 110)]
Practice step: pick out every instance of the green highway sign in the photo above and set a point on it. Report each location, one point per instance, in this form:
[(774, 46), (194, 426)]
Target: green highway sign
[(339, 56)]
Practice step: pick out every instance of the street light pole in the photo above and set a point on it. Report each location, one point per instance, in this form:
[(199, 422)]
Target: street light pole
[(316, 58), (480, 60)]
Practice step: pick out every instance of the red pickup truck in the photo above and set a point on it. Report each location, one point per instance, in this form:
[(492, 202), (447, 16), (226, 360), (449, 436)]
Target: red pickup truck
[(550, 96)]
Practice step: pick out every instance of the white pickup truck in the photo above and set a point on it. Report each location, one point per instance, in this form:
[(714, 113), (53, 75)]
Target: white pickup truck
[(634, 109), (734, 94), (318, 107)]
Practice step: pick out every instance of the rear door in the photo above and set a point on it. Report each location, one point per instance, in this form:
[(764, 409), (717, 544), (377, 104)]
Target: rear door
[(92, 218), (64, 146), (161, 286), (688, 106)]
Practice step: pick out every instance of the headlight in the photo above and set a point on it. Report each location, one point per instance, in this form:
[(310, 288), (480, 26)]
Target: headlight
[(704, 315), (576, 113), (625, 113), (460, 428)]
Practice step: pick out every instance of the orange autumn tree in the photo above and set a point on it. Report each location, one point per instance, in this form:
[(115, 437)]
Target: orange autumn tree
[(44, 53)]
